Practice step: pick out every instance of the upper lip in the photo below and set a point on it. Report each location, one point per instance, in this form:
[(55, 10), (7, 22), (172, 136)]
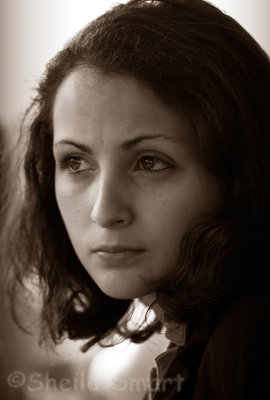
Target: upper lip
[(115, 249)]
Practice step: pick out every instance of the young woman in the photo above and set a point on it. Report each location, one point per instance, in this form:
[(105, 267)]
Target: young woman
[(147, 176)]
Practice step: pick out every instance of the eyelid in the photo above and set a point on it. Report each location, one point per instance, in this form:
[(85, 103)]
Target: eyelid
[(155, 154), (69, 153), (64, 159)]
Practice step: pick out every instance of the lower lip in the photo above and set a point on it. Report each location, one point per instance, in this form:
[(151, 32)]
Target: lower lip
[(119, 256)]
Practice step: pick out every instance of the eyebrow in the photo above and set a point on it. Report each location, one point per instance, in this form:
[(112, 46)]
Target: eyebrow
[(124, 146), (80, 146), (132, 143)]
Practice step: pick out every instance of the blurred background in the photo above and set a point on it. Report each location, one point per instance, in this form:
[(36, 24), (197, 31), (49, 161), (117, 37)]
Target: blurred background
[(31, 32)]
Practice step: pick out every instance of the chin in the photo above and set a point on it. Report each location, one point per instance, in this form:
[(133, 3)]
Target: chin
[(125, 293)]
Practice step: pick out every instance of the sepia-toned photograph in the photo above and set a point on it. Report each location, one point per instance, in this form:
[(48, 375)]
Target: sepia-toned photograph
[(135, 199)]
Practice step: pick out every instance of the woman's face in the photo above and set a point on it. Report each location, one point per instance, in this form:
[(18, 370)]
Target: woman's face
[(127, 181)]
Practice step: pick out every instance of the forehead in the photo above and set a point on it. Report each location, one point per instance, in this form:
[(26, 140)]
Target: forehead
[(87, 87), (87, 100)]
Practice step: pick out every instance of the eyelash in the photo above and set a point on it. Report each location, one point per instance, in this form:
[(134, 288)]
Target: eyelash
[(166, 164), (65, 164)]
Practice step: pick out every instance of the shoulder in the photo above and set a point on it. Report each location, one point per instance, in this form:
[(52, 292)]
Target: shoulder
[(236, 361)]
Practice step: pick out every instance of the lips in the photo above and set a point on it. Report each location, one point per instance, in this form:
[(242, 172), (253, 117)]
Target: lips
[(117, 252), (116, 249)]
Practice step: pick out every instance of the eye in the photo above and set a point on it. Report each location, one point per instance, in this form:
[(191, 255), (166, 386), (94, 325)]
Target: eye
[(151, 164), (75, 164)]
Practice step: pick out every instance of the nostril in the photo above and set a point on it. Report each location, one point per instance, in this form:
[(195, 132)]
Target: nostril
[(120, 221), (109, 209)]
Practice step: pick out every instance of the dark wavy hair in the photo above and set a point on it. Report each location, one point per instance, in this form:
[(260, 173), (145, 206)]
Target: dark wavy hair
[(203, 64), (6, 205)]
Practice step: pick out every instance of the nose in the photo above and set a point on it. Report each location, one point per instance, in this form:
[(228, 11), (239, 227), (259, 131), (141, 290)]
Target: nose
[(112, 203)]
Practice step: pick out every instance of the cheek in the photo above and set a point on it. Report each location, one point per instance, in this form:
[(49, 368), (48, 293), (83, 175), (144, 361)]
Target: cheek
[(173, 212), (165, 221), (72, 209)]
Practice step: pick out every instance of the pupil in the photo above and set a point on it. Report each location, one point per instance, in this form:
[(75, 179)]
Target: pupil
[(148, 163), (74, 164)]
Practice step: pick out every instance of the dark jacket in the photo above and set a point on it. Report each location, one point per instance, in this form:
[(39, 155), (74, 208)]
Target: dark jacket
[(227, 356)]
